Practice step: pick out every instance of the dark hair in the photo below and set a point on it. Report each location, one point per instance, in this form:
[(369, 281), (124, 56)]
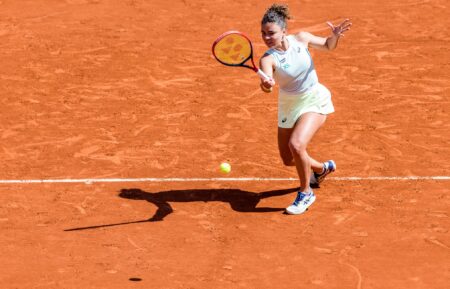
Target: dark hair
[(277, 13)]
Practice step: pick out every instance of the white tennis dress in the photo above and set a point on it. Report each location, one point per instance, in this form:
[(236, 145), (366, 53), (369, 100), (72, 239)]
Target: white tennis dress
[(299, 87)]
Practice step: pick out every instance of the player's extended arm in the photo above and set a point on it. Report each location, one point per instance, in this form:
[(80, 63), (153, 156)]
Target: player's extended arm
[(325, 43)]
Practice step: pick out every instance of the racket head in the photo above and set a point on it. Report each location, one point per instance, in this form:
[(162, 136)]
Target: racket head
[(233, 48)]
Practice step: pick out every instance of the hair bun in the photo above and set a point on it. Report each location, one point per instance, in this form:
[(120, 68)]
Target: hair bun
[(280, 9)]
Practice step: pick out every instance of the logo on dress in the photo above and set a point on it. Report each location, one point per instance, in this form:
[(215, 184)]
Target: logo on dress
[(299, 50)]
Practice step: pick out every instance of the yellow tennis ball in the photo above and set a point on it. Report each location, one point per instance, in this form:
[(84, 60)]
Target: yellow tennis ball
[(225, 168)]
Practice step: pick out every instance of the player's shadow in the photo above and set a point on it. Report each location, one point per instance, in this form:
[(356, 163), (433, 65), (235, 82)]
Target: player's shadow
[(240, 201)]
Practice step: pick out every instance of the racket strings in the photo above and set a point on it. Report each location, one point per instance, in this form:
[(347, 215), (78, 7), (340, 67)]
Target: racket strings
[(233, 49)]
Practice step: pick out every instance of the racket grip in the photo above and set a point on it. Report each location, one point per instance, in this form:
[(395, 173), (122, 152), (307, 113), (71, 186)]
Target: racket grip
[(262, 74)]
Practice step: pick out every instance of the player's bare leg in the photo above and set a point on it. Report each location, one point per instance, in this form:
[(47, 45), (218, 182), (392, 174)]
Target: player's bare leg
[(302, 134), (284, 136)]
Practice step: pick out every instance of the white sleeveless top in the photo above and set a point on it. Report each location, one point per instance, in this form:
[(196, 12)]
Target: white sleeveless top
[(294, 68)]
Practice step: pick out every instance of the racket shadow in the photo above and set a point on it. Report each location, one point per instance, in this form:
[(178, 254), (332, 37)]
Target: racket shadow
[(239, 200)]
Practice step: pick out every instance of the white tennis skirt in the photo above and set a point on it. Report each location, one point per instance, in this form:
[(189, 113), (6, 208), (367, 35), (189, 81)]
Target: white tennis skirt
[(291, 107)]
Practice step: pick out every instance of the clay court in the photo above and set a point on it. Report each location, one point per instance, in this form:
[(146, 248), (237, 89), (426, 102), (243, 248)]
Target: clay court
[(99, 93)]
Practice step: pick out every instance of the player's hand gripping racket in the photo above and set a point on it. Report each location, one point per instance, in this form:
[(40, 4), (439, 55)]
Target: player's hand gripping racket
[(233, 48)]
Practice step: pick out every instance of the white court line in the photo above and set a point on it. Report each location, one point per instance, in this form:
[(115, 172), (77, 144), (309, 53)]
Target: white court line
[(159, 180)]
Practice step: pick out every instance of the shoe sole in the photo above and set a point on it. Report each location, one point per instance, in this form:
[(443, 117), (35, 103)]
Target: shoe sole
[(313, 183)]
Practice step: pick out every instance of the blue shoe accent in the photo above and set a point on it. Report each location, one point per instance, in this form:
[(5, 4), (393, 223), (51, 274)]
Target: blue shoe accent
[(299, 198), (301, 203)]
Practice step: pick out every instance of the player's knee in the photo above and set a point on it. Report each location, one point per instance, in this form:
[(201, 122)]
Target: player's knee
[(297, 146)]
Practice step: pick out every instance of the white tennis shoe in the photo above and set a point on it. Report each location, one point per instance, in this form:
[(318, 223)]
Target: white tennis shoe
[(301, 203)]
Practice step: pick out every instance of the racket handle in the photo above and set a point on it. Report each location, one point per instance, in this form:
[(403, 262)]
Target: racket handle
[(262, 74)]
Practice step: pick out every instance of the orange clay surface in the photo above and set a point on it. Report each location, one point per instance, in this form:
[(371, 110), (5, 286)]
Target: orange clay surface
[(129, 88)]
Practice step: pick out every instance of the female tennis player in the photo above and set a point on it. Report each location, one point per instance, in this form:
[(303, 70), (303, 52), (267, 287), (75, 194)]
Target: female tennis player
[(303, 103)]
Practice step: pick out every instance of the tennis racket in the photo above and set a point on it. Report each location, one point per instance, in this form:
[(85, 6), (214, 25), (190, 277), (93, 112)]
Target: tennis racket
[(234, 48)]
